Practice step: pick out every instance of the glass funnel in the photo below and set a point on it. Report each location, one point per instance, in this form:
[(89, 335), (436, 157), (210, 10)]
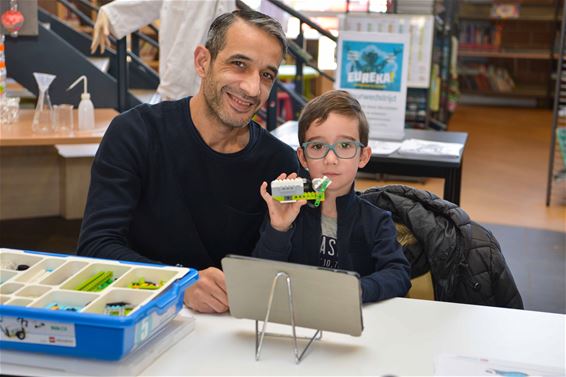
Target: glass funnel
[(43, 116)]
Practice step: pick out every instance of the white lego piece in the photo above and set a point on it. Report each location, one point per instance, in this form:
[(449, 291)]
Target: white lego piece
[(286, 188)]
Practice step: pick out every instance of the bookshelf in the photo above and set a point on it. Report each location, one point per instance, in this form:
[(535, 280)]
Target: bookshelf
[(443, 94), (432, 105), (556, 183), (508, 54), (431, 98), (507, 51)]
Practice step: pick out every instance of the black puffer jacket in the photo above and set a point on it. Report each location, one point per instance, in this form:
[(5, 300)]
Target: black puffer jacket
[(463, 257)]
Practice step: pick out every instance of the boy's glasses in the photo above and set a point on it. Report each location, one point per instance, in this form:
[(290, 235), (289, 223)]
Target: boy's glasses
[(345, 149)]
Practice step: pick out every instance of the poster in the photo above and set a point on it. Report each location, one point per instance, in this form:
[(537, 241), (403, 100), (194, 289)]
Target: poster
[(373, 68), (421, 33)]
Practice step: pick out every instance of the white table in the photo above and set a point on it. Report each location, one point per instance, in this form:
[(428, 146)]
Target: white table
[(401, 337)]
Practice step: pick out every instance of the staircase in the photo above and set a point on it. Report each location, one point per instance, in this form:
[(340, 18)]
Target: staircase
[(65, 52), (119, 78)]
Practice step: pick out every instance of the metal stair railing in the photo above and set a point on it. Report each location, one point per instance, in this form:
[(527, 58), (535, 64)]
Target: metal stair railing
[(50, 52)]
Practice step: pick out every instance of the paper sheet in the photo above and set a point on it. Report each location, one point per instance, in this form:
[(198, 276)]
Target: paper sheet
[(457, 365), (383, 148), (418, 147)]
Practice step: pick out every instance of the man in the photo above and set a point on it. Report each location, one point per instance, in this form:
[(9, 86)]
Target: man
[(177, 182), (182, 27)]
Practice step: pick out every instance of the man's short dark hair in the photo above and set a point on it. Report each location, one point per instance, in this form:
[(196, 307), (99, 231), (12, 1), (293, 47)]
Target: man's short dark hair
[(216, 38), (333, 101)]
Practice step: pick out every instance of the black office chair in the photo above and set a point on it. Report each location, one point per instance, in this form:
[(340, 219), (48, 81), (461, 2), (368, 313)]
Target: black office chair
[(461, 258)]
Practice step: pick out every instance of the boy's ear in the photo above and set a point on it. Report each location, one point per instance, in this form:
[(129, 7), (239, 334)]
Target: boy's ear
[(302, 159), (365, 155), (202, 60)]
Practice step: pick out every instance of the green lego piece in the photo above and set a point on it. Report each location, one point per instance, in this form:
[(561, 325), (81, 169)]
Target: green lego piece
[(97, 282), (311, 195)]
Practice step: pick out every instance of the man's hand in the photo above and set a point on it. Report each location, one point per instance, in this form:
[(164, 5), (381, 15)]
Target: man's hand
[(208, 294), (101, 33), (281, 215)]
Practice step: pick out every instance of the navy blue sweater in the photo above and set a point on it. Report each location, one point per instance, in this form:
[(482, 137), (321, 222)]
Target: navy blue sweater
[(366, 244), (159, 193)]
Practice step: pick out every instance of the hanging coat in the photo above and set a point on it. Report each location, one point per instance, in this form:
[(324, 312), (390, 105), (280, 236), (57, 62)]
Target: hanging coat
[(464, 258)]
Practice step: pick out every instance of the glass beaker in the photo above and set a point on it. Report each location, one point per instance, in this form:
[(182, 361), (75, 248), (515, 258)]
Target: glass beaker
[(43, 116), (9, 110), (63, 118)]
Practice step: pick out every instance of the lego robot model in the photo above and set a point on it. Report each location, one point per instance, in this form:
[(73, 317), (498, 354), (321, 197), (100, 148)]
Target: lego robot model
[(291, 190)]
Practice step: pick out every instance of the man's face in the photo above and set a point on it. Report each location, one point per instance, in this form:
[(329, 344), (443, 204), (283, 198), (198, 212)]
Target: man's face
[(237, 83)]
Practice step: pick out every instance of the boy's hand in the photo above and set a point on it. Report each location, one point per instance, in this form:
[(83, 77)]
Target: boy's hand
[(281, 215)]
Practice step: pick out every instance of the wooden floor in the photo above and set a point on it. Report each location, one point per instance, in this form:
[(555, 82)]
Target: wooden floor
[(505, 168)]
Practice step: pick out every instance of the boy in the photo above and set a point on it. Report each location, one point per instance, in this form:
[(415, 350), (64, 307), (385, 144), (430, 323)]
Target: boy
[(345, 232)]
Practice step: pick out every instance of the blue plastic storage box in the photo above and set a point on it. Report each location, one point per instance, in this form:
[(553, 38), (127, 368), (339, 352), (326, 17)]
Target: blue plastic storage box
[(85, 307)]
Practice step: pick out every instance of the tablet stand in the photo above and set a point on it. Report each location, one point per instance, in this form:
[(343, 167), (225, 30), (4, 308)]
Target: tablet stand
[(259, 337)]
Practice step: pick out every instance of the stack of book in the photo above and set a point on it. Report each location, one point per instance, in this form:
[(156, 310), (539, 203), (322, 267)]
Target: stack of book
[(480, 35), (485, 78)]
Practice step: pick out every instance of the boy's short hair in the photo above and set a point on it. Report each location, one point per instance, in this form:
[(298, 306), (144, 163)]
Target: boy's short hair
[(333, 101)]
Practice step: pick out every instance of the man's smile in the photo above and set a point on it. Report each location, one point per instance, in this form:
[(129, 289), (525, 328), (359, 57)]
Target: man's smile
[(240, 104)]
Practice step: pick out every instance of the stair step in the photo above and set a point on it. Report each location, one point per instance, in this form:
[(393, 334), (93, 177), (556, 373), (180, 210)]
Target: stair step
[(100, 62)]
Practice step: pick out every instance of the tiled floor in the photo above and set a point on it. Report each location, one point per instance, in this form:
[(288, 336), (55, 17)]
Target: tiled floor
[(538, 263)]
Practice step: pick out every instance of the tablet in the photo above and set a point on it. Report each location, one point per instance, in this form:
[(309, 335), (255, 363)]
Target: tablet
[(323, 299)]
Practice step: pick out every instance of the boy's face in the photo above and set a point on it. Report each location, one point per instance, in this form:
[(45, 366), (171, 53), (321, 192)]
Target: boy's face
[(341, 172)]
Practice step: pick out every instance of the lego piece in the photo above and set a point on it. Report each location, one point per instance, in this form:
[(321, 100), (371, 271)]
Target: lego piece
[(67, 308), (287, 189), (118, 308), (142, 284), (321, 184), (291, 190), (97, 282), (53, 306)]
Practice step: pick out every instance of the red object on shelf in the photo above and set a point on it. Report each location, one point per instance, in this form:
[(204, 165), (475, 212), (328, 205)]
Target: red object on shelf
[(284, 106), (12, 20)]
